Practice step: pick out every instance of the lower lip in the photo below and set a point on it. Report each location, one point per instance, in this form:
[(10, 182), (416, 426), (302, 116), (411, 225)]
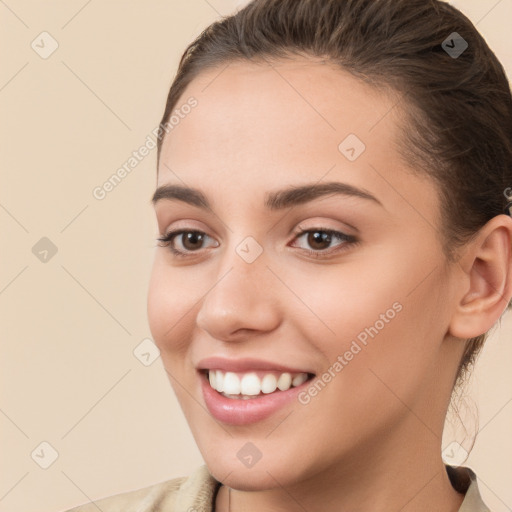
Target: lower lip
[(237, 411)]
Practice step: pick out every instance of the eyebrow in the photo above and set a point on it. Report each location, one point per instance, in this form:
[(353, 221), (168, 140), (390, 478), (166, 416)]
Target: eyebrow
[(277, 200)]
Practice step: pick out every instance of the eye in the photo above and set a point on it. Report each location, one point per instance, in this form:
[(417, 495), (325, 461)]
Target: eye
[(191, 241), (320, 240)]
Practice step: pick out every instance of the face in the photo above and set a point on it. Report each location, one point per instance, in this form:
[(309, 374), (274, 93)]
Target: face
[(318, 257)]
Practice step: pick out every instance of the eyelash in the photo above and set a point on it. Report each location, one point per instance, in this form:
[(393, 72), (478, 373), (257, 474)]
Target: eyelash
[(348, 240)]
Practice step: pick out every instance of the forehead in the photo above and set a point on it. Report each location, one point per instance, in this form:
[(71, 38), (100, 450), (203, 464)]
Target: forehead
[(265, 125), (292, 108)]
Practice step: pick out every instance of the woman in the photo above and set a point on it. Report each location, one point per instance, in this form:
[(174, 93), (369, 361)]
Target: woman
[(333, 251)]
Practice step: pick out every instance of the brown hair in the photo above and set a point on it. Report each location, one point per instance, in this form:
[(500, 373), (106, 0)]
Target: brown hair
[(458, 108)]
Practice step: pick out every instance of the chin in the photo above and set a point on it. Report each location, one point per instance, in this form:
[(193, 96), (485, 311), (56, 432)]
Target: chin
[(258, 478)]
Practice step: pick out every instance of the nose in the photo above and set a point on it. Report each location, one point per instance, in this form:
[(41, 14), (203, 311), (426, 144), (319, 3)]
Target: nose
[(242, 300)]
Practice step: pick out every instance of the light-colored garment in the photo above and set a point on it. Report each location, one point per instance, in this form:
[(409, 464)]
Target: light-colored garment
[(196, 493)]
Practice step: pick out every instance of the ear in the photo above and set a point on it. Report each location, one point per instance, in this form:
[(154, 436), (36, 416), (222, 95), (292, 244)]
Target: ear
[(486, 279)]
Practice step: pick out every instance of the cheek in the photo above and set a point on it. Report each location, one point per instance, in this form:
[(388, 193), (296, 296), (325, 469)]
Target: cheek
[(170, 311), (170, 306), (382, 313), (337, 303)]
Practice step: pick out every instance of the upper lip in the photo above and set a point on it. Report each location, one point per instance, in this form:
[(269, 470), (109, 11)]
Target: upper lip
[(245, 364)]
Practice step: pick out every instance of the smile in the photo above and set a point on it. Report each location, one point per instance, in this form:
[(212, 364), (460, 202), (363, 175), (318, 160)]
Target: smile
[(250, 385), (249, 390)]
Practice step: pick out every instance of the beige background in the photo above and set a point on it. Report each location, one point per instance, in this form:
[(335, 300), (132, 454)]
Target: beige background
[(69, 376)]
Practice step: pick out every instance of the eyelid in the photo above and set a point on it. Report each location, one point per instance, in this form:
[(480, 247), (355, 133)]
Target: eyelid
[(322, 225)]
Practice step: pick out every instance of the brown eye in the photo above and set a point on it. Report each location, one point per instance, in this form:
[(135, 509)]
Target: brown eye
[(189, 241), (319, 240), (192, 240)]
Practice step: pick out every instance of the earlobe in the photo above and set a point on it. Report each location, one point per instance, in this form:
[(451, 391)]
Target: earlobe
[(486, 272)]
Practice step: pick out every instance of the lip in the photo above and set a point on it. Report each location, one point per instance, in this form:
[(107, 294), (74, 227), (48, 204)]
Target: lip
[(233, 411), (245, 365)]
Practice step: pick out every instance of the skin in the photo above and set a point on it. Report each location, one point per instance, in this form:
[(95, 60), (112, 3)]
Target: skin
[(371, 439)]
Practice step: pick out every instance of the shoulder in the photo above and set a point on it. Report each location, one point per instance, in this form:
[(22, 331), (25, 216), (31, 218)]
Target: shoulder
[(195, 491)]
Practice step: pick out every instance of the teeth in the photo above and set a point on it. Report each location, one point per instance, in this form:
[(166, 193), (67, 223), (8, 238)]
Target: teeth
[(284, 382), (219, 381), (268, 383), (249, 385), (211, 378), (231, 383), (299, 379)]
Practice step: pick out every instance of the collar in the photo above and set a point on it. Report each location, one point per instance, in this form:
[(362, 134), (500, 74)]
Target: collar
[(464, 480)]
